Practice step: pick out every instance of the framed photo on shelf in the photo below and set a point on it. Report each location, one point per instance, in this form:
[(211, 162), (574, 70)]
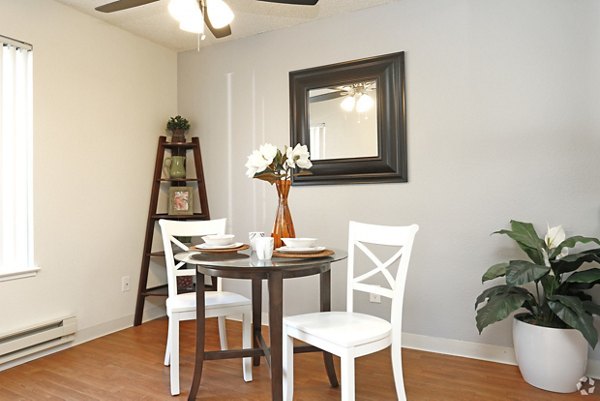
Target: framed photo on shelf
[(180, 201)]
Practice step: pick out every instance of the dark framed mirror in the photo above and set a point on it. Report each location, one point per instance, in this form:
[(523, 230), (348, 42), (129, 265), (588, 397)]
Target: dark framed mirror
[(352, 117)]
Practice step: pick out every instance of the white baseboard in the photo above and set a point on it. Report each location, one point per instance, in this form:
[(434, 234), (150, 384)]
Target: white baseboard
[(486, 352), (466, 349), (89, 334)]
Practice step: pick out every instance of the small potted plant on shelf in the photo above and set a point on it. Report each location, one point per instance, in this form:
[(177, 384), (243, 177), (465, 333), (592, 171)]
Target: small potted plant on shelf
[(551, 337), (178, 127)]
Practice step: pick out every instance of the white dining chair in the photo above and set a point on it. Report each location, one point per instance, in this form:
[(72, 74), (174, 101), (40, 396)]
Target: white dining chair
[(349, 334), (181, 307)]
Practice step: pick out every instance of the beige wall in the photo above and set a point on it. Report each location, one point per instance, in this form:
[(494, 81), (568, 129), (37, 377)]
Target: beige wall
[(502, 100), (101, 99)]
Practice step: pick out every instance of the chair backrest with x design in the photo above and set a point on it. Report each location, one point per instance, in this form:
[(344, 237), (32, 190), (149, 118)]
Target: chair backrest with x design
[(400, 237), (190, 228)]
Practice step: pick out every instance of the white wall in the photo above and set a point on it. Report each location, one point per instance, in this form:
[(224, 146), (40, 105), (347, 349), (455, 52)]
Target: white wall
[(502, 100), (101, 99)]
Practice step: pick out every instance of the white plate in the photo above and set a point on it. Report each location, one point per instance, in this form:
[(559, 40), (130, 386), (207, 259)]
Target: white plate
[(230, 246), (287, 249)]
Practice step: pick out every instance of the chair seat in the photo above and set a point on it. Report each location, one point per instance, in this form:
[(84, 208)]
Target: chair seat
[(347, 329), (213, 299)]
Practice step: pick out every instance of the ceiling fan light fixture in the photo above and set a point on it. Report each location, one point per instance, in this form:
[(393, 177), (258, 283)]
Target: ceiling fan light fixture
[(193, 22), (180, 9), (348, 103), (364, 103), (219, 13)]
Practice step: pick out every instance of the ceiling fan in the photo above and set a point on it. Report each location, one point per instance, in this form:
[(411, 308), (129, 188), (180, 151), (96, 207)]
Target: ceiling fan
[(208, 13)]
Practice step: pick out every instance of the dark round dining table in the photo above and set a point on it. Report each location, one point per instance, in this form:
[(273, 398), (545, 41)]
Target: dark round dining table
[(245, 265)]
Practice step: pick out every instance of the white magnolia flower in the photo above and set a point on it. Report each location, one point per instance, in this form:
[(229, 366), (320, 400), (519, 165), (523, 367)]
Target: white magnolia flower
[(269, 152), (277, 165), (299, 156), (554, 236), (289, 154), (256, 163)]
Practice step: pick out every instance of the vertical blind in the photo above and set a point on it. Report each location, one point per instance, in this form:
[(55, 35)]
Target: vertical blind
[(16, 148)]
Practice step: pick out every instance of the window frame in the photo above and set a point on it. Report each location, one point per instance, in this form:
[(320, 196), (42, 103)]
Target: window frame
[(17, 98)]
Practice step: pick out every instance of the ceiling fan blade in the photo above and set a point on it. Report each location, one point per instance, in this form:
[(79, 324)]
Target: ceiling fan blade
[(217, 32), (296, 2), (122, 5), (326, 96)]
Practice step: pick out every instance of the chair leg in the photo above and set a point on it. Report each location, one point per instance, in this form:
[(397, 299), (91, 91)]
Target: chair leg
[(174, 347), (222, 332), (247, 343), (288, 367), (397, 369), (167, 346), (347, 367)]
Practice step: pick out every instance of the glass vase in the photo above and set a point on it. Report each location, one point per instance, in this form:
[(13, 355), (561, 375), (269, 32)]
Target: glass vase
[(283, 227)]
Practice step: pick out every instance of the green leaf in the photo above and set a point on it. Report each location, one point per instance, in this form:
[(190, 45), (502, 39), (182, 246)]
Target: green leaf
[(591, 307), (527, 239), (490, 292), (498, 270), (590, 276), (268, 175), (501, 304), (550, 284), (302, 172), (583, 280), (571, 242), (573, 262), (520, 272), (571, 311)]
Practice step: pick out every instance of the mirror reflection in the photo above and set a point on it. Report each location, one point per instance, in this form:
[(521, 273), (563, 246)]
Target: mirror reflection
[(343, 121), (351, 115)]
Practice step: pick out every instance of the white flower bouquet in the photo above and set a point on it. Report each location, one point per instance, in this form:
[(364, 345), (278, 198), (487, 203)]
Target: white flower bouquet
[(270, 164)]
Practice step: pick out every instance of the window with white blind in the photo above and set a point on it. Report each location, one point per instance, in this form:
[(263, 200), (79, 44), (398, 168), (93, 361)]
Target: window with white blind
[(16, 151)]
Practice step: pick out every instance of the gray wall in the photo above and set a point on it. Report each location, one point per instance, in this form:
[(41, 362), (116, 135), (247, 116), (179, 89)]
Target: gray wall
[(501, 125)]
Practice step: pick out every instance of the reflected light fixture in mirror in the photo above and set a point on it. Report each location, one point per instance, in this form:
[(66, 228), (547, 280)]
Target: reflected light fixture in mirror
[(356, 96), (348, 103), (364, 103)]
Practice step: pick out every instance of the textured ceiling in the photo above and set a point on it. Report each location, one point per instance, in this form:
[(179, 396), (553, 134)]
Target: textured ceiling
[(152, 21)]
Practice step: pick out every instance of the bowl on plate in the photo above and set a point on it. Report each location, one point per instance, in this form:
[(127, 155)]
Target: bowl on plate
[(299, 242), (218, 239)]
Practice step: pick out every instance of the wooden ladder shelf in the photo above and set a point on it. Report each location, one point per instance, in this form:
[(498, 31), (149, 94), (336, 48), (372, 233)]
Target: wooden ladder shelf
[(153, 216)]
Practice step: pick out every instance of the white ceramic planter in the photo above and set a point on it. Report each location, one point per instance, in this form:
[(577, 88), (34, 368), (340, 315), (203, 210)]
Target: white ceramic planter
[(550, 359)]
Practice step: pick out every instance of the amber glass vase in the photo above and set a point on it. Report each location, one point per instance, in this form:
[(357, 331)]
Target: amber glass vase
[(284, 227)]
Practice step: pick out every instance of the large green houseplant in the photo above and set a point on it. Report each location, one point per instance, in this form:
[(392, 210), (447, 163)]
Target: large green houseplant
[(550, 286)]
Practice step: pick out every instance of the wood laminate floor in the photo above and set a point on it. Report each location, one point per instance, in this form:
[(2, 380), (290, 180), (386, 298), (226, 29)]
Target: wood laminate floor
[(127, 365)]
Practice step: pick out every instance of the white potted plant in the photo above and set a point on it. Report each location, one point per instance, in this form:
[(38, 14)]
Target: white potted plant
[(551, 337)]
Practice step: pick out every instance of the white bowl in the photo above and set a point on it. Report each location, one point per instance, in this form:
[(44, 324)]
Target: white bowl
[(218, 239), (299, 242)]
